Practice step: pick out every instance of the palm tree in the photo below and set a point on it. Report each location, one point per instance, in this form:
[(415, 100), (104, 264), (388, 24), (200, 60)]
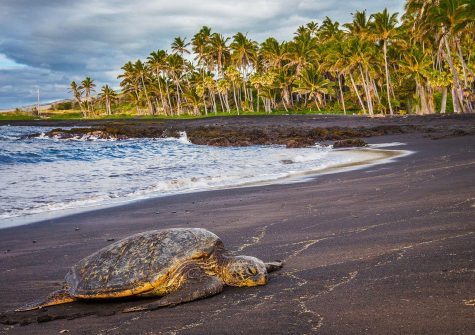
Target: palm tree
[(88, 85), (200, 44), (372, 62), (273, 53), (361, 56), (179, 46), (454, 17), (385, 30), (416, 65), (130, 83), (157, 63), (234, 77), (210, 85), (219, 52), (301, 52), (175, 67), (201, 47), (141, 72), (223, 86), (312, 28), (312, 82), (337, 65), (107, 96), (244, 57), (283, 80), (360, 26), (77, 93), (329, 29)]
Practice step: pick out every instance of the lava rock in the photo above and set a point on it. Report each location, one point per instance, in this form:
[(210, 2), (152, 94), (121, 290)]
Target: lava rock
[(350, 143)]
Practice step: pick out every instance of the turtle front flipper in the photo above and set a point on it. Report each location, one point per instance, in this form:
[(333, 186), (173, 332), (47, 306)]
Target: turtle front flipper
[(55, 298), (197, 285)]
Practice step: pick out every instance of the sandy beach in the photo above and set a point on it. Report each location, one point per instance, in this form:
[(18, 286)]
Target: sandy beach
[(387, 249)]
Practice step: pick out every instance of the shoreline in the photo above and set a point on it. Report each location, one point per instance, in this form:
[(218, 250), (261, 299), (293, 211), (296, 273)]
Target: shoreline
[(371, 251), (385, 157)]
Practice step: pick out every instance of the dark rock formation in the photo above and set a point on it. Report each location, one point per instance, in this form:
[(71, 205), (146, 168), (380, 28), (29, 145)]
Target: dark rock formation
[(350, 143)]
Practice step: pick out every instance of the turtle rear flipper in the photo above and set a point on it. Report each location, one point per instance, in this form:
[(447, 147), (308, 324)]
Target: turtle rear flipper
[(197, 285), (55, 298)]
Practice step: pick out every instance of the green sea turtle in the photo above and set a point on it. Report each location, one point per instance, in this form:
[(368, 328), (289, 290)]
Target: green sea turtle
[(177, 265)]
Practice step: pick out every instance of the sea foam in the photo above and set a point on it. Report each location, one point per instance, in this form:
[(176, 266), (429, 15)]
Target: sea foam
[(46, 175)]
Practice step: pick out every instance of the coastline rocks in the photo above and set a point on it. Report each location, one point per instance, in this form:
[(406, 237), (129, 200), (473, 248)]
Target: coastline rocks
[(299, 143), (82, 134), (230, 135), (350, 143)]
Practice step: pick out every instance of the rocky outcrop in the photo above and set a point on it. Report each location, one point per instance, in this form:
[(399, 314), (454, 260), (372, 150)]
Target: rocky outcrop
[(293, 132), (234, 136), (350, 143)]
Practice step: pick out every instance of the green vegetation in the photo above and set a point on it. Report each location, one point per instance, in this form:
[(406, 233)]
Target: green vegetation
[(377, 64), (18, 115)]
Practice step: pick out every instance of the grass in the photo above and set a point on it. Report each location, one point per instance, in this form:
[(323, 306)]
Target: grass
[(77, 115), (10, 116)]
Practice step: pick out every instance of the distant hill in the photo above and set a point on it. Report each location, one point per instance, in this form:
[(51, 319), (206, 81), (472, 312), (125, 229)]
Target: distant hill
[(43, 106)]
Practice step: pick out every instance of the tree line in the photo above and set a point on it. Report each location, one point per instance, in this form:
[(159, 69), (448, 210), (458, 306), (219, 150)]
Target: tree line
[(419, 62)]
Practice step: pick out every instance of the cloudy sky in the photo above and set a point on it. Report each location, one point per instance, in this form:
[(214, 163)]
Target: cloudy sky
[(49, 43)]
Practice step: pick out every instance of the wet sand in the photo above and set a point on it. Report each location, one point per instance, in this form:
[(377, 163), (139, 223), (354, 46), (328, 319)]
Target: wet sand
[(384, 250)]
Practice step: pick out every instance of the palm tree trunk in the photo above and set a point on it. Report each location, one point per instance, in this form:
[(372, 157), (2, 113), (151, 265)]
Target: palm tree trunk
[(161, 93), (221, 101), (149, 104), (285, 106), (137, 99), (341, 94), (87, 103), (385, 47), (245, 92), (169, 98), (156, 108), (204, 94), (83, 110), (204, 104), (251, 99), (213, 99), (458, 103), (226, 96), (422, 98), (178, 100), (257, 100), (430, 98), (369, 101), (375, 89), (462, 61), (235, 99), (443, 104), (357, 93), (465, 70), (107, 105), (316, 102)]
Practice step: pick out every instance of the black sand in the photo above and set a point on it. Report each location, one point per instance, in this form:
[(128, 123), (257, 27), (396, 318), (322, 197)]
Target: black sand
[(384, 250)]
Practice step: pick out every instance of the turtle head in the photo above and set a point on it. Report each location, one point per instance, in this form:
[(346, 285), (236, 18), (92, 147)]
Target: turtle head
[(244, 271)]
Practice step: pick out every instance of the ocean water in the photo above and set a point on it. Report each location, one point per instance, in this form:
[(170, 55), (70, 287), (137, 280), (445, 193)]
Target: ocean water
[(48, 176)]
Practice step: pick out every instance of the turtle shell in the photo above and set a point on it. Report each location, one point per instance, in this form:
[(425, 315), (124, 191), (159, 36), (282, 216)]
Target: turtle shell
[(131, 265)]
